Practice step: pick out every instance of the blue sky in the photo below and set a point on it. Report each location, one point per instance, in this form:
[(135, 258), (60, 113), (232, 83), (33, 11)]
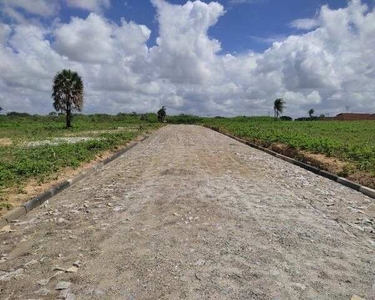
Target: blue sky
[(225, 57), (251, 25)]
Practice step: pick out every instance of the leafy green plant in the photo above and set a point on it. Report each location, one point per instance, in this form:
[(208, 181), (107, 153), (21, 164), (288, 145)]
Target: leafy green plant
[(20, 162), (353, 142), (5, 205)]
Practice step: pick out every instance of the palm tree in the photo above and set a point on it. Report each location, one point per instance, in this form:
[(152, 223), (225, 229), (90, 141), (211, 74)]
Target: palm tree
[(67, 93), (311, 112), (278, 107), (162, 114)]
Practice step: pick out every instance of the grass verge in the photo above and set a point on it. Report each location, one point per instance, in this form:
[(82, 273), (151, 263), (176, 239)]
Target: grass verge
[(27, 170), (344, 148)]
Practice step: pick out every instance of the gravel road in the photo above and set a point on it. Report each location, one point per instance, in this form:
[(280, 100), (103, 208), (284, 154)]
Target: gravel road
[(192, 214)]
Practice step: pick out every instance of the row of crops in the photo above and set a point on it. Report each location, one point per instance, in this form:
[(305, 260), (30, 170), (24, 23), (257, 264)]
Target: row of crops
[(352, 142)]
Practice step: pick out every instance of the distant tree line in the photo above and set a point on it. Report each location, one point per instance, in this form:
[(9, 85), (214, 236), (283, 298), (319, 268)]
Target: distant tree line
[(18, 114), (68, 96)]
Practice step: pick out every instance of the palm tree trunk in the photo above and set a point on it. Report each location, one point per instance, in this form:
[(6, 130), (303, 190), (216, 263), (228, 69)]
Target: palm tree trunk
[(276, 114), (68, 115), (68, 123)]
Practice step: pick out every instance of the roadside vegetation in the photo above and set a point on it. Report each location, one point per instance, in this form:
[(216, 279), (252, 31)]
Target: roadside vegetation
[(37, 149), (351, 143), (346, 148)]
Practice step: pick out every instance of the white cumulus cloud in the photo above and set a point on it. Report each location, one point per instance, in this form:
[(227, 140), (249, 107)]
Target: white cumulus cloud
[(37, 7), (184, 53), (328, 67), (91, 5), (305, 24)]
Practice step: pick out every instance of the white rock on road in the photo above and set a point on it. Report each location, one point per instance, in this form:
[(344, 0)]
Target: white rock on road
[(203, 217)]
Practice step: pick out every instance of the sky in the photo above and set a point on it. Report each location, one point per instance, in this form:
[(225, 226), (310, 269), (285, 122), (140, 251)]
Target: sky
[(224, 57)]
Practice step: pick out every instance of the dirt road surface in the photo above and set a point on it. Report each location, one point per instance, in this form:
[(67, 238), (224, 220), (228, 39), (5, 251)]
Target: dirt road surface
[(192, 214)]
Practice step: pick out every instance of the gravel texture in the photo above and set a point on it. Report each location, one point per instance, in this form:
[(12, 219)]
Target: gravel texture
[(192, 214)]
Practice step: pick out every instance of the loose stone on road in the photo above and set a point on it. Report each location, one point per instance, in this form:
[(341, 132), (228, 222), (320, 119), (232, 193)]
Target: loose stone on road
[(192, 214)]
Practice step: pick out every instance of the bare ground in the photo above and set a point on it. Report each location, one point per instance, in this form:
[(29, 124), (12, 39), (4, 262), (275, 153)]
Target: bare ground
[(5, 142), (192, 214)]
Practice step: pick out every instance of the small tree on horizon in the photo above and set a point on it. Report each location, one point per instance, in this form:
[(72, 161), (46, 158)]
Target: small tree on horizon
[(311, 112), (278, 107), (1, 109), (162, 113), (67, 93)]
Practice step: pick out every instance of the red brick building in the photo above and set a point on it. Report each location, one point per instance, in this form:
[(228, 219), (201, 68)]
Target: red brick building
[(351, 117)]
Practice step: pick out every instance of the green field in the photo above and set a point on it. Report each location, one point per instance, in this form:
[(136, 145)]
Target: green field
[(352, 142), (39, 147)]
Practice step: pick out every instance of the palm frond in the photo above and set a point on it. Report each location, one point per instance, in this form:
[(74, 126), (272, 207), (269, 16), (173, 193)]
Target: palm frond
[(67, 91), (279, 106)]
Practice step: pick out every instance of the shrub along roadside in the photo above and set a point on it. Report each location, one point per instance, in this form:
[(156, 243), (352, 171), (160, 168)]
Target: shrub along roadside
[(351, 142), (184, 119), (24, 168), (18, 165)]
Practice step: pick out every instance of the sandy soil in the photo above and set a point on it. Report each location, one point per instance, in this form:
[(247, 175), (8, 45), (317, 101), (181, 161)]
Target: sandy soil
[(61, 140), (5, 142), (192, 214)]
